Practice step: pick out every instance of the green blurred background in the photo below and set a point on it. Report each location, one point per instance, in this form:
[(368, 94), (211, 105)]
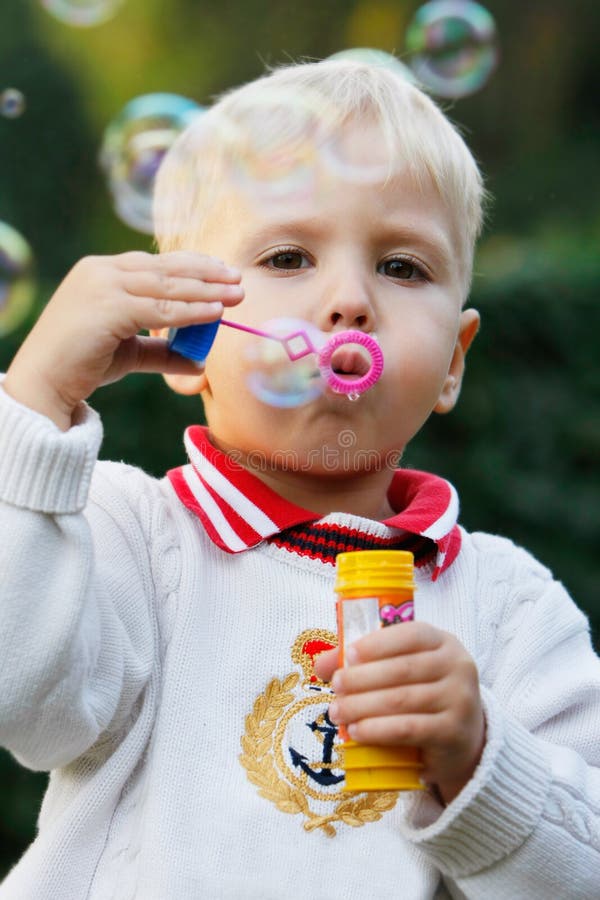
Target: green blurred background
[(522, 448)]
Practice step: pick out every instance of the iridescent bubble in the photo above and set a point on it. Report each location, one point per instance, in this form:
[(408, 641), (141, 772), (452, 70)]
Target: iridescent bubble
[(274, 146), (17, 285), (82, 13), (12, 103), (452, 47), (133, 148), (272, 376), (343, 154)]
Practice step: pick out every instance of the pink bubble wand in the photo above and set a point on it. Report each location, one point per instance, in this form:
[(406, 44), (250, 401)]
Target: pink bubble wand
[(196, 340)]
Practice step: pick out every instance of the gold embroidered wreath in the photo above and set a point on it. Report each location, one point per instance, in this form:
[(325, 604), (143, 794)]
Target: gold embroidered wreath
[(257, 760)]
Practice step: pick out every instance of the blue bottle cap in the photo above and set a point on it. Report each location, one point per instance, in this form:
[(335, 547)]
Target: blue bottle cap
[(194, 341)]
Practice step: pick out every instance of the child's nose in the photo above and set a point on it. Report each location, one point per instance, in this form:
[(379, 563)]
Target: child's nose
[(349, 305)]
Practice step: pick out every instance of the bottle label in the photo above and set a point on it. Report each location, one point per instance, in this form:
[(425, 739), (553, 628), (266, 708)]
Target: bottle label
[(358, 616)]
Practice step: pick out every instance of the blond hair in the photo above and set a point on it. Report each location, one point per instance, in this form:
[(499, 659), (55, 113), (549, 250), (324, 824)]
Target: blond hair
[(274, 115)]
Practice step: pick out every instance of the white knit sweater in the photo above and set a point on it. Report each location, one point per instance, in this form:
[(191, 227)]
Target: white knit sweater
[(164, 681)]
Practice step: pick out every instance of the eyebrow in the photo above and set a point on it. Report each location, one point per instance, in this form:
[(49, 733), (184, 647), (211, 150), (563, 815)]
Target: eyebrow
[(433, 242), (311, 227)]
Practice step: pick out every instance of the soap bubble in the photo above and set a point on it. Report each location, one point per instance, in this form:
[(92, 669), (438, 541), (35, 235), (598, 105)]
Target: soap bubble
[(12, 103), (133, 148), (82, 13), (342, 153), (272, 376), (452, 47), (274, 146), (17, 286)]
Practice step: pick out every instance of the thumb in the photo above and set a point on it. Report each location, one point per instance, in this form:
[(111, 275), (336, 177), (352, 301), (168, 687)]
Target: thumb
[(326, 663)]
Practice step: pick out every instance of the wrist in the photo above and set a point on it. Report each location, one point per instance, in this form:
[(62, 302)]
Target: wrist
[(40, 397), (449, 788)]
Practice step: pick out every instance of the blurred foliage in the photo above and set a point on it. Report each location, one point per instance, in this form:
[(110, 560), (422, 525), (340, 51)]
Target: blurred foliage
[(523, 445)]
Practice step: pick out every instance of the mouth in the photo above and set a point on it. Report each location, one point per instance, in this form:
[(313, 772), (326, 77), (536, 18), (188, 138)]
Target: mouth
[(350, 362)]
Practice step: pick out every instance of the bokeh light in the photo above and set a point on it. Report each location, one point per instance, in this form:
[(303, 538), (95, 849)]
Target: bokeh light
[(272, 376), (133, 148), (82, 13), (452, 47), (17, 284), (12, 103)]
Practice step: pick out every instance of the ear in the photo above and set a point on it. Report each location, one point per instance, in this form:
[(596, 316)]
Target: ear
[(188, 385), (468, 328)]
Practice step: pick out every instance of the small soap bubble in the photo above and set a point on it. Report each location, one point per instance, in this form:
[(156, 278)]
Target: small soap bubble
[(272, 376), (353, 396), (82, 13), (133, 148), (12, 103), (17, 285), (452, 47)]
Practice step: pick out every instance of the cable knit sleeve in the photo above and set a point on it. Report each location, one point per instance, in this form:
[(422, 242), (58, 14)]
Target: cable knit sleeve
[(527, 825), (77, 631)]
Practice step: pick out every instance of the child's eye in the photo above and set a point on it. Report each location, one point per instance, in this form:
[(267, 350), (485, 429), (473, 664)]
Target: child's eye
[(286, 259), (401, 268)]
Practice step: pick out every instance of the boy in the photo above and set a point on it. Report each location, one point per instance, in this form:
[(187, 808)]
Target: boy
[(167, 646)]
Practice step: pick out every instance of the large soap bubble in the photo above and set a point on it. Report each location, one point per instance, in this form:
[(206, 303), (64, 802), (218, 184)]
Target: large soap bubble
[(276, 379), (452, 47), (341, 153), (274, 146), (17, 285), (133, 148), (82, 13)]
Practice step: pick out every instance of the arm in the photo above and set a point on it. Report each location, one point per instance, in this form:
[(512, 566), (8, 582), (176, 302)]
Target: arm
[(76, 604), (76, 621), (527, 824), (522, 817)]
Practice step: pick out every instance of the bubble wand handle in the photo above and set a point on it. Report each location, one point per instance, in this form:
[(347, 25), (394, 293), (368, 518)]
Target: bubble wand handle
[(309, 347), (195, 341)]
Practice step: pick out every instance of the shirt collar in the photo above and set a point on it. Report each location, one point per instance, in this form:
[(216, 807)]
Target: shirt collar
[(238, 510)]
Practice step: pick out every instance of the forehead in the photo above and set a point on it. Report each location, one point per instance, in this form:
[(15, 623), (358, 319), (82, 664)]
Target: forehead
[(352, 188)]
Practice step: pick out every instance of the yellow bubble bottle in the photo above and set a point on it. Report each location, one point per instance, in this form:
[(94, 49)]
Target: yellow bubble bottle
[(374, 589)]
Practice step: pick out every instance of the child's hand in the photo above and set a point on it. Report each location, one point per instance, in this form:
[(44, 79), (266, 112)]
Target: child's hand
[(412, 684), (88, 333)]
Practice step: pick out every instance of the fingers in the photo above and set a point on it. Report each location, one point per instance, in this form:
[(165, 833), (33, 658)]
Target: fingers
[(417, 730), (177, 289), (172, 287), (414, 668), (405, 637), (182, 263), (389, 702), (326, 663), (155, 355), (149, 313)]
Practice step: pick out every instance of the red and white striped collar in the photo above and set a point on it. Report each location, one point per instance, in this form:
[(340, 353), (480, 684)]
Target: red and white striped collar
[(238, 510)]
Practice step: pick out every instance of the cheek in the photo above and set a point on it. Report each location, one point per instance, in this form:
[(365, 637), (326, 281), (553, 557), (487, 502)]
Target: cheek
[(420, 361)]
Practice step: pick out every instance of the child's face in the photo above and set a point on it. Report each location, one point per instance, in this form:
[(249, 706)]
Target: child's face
[(377, 257)]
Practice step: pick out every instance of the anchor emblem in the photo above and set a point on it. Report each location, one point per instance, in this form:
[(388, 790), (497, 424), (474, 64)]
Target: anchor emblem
[(289, 720), (325, 731)]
